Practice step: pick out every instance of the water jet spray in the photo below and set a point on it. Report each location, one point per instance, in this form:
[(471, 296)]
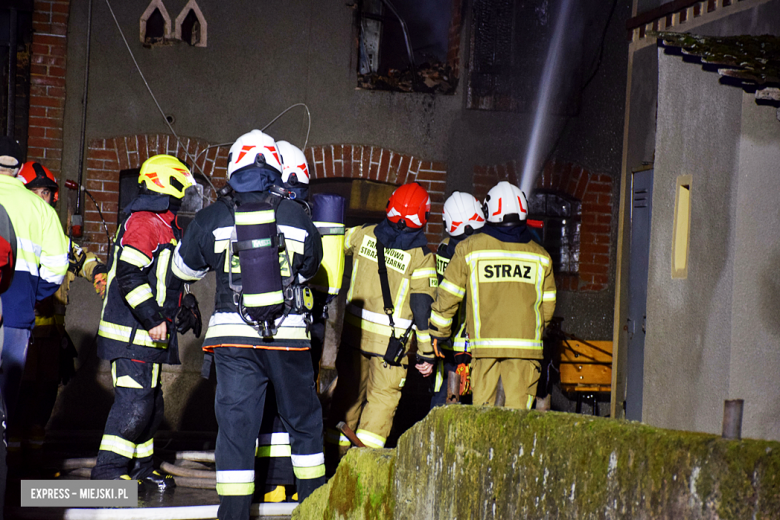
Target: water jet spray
[(533, 155)]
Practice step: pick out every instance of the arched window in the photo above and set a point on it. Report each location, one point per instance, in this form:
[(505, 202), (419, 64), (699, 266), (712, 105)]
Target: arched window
[(560, 235)]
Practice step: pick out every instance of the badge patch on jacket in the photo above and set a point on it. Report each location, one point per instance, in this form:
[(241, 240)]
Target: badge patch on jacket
[(394, 259), (506, 270)]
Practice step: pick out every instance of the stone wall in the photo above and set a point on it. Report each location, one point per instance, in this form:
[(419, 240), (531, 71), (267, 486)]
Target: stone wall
[(470, 462)]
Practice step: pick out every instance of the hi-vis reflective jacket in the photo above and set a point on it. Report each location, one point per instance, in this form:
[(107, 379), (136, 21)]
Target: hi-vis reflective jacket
[(42, 252), (51, 311), (510, 296), (205, 247), (408, 272), (443, 256), (140, 292)]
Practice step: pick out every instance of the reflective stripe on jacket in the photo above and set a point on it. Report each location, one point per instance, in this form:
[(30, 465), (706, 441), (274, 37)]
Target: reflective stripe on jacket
[(205, 248), (41, 249), (140, 293), (408, 272), (510, 296), (443, 257)]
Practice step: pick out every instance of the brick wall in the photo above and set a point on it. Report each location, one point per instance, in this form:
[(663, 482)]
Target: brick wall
[(47, 83), (453, 44), (379, 164), (107, 157), (594, 190)]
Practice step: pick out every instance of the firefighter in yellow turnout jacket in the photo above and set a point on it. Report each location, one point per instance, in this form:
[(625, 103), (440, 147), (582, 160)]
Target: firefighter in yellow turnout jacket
[(369, 387), (463, 217), (508, 282)]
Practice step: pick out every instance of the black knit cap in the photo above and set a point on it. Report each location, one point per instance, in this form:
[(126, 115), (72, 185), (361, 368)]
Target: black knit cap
[(11, 148)]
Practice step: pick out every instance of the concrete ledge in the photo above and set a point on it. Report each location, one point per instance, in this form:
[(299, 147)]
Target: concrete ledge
[(470, 462)]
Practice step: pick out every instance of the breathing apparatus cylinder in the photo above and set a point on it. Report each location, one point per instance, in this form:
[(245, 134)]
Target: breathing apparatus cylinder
[(257, 244), (328, 216)]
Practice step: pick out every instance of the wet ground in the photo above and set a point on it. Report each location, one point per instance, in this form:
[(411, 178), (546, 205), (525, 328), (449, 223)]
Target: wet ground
[(180, 497)]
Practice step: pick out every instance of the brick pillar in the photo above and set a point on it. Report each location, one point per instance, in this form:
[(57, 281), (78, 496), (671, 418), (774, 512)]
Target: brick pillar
[(47, 83)]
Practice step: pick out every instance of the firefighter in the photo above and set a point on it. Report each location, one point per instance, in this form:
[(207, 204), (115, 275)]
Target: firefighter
[(295, 170), (273, 465), (380, 314), (258, 333), (40, 269), (507, 280), (136, 332), (51, 352), (463, 217)]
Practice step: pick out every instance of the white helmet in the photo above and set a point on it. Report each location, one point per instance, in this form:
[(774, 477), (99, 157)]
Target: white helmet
[(462, 214), (253, 149), (295, 170), (505, 202)]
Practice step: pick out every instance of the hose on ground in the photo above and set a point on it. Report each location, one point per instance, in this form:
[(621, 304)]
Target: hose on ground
[(180, 471)]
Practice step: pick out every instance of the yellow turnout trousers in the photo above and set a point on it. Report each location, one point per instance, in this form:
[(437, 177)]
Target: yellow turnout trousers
[(519, 377), (367, 395)]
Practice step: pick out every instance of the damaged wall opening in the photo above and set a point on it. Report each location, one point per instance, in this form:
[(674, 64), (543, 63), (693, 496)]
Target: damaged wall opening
[(403, 46), (562, 217), (508, 50)]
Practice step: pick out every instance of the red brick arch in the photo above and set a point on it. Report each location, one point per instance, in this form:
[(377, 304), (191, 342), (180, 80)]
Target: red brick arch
[(107, 157), (382, 165), (595, 192)]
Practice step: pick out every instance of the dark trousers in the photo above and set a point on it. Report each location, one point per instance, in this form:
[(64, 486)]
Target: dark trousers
[(136, 414), (243, 375), (273, 466)]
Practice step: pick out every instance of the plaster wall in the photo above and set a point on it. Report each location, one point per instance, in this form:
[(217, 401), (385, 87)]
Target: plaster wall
[(700, 340), (688, 342), (755, 333)]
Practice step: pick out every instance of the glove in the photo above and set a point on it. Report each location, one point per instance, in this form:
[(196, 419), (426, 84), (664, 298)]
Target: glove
[(189, 316), (438, 344), (99, 282)]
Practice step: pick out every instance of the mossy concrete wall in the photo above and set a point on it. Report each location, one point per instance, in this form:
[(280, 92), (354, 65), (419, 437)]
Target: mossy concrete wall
[(470, 462)]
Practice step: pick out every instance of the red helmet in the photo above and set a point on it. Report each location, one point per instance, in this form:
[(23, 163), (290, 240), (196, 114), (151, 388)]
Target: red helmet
[(411, 204), (36, 175)]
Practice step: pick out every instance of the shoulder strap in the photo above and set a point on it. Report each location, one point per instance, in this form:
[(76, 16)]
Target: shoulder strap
[(384, 282)]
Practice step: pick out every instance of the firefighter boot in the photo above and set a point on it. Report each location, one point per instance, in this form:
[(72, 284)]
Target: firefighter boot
[(157, 481)]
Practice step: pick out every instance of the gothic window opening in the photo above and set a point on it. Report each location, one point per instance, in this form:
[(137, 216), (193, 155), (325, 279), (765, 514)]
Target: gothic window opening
[(191, 26), (155, 28), (155, 25), (560, 234), (190, 29)]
